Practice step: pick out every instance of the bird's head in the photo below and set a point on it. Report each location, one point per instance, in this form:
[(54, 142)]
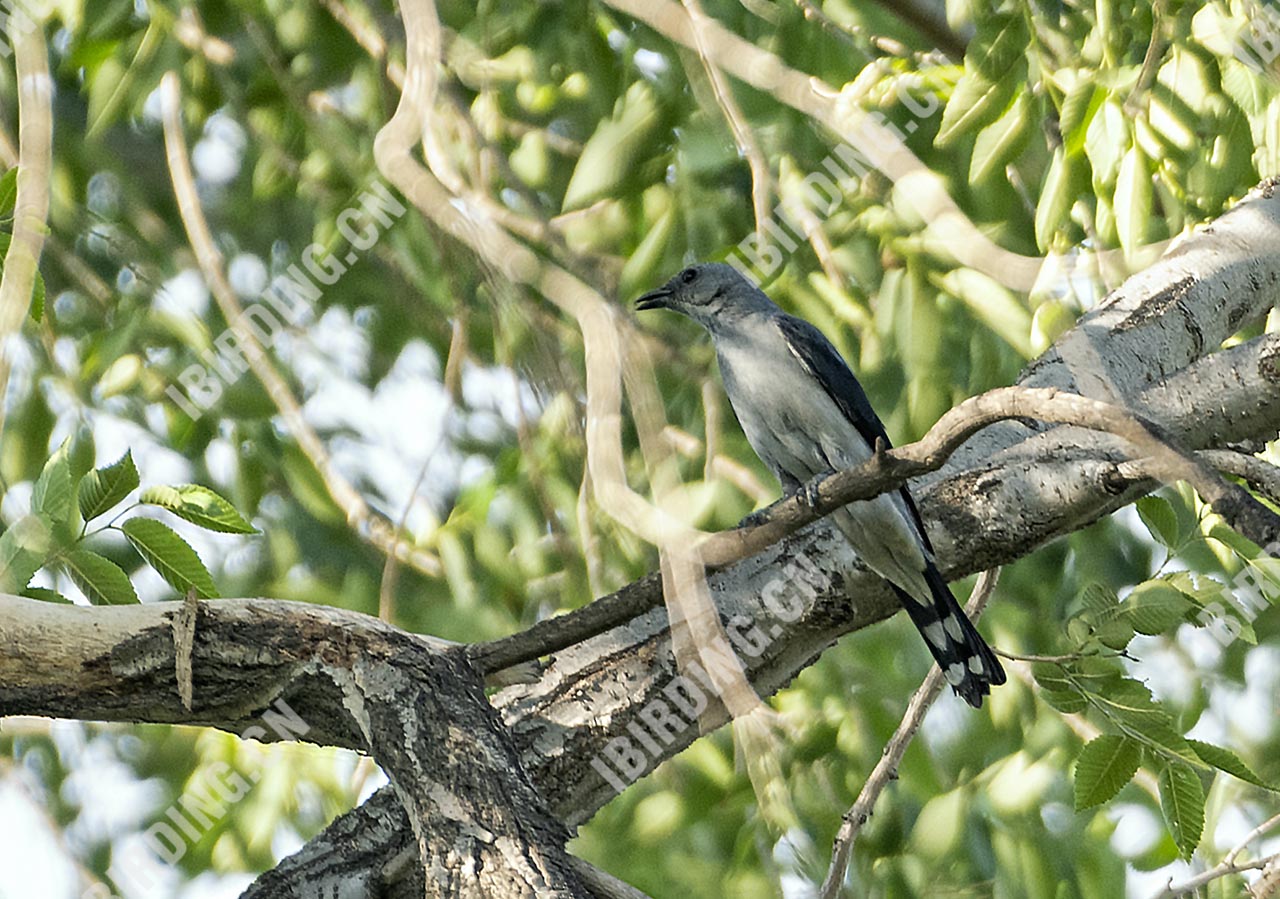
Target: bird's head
[(709, 293)]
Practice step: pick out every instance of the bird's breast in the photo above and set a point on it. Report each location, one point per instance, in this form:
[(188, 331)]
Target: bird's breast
[(787, 416)]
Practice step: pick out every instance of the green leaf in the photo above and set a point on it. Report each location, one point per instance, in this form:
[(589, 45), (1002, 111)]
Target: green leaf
[(1182, 801), (23, 550), (1155, 607), (1104, 765), (102, 581), (308, 487), (37, 297), (1268, 569), (1079, 107), (1129, 706), (198, 505), (976, 101), (1115, 634), (1161, 520), (51, 495), (1056, 198), (120, 376), (1051, 320), (1199, 589), (1133, 201), (170, 555), (1241, 84), (1100, 601), (8, 192), (998, 57), (1228, 761), (1106, 139), (1234, 540), (102, 488), (611, 152), (993, 304), (44, 594), (648, 253), (1051, 677), (999, 143), (1069, 702), (80, 454)]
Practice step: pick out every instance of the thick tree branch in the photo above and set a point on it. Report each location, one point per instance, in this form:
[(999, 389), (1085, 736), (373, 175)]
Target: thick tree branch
[(415, 704), (890, 470)]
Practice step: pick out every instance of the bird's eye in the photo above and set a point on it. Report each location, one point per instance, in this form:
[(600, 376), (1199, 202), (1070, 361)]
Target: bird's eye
[(688, 275)]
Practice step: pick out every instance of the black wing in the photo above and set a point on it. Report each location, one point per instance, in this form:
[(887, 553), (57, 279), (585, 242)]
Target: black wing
[(826, 366)]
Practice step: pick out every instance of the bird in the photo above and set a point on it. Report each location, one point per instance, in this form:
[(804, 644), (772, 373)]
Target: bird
[(805, 414)]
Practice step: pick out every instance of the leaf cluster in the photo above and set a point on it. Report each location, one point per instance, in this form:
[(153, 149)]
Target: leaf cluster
[(69, 496)]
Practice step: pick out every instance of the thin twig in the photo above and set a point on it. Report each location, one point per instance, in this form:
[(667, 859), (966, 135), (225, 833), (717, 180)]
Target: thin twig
[(1150, 61), (748, 146), (1058, 659), (887, 471), (1192, 884), (31, 209), (929, 23), (893, 468), (887, 768), (364, 521), (1252, 835), (1261, 475)]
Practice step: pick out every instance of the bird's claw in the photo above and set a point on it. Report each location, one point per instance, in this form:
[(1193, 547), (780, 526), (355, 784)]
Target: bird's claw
[(809, 493)]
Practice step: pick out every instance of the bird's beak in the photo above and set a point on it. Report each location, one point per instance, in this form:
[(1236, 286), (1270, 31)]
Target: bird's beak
[(655, 299)]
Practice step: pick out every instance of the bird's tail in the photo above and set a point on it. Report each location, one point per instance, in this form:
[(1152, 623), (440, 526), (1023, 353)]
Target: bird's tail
[(967, 662)]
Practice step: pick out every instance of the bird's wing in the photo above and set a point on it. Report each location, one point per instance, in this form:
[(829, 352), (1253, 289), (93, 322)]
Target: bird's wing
[(825, 365)]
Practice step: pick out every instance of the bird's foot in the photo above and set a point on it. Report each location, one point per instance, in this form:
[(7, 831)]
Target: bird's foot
[(808, 491)]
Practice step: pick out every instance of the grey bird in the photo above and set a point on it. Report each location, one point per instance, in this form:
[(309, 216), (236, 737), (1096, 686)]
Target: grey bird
[(805, 414)]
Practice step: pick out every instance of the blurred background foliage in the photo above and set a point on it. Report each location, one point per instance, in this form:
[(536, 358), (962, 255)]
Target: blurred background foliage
[(454, 404)]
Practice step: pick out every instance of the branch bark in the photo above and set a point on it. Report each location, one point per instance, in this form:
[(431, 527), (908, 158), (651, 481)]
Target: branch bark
[(478, 825)]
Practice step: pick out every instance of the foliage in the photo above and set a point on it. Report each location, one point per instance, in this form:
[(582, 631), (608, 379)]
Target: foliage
[(454, 403), (53, 535)]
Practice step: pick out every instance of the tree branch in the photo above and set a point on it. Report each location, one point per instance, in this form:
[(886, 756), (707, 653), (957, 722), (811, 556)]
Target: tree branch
[(1152, 456), (31, 209), (415, 704), (364, 522), (931, 21)]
